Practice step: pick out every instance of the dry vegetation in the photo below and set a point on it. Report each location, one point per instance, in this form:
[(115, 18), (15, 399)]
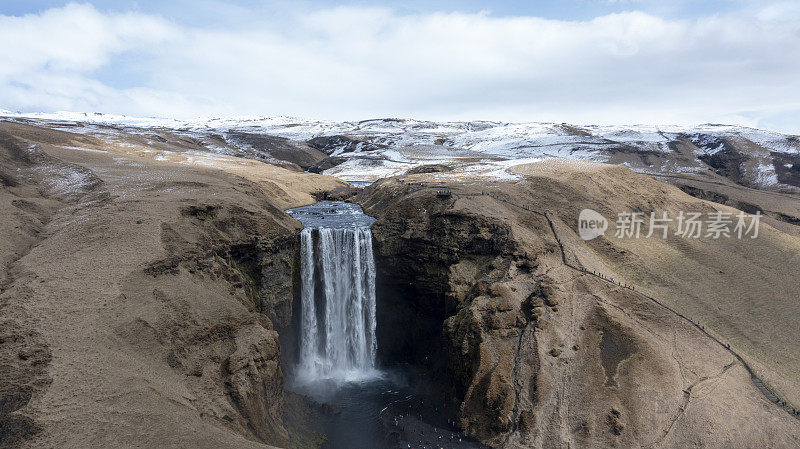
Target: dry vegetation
[(144, 282)]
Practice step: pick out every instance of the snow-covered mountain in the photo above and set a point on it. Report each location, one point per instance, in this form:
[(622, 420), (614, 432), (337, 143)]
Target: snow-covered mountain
[(371, 149)]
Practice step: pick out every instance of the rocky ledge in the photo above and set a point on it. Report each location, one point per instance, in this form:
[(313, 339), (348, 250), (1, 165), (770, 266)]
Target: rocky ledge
[(140, 296), (489, 287)]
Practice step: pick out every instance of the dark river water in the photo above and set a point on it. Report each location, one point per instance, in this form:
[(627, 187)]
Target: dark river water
[(397, 410), (331, 214)]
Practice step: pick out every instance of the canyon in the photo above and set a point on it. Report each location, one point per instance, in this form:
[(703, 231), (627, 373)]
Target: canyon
[(152, 294)]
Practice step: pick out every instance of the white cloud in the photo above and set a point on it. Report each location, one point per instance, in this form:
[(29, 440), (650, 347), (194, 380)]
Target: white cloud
[(366, 62), (781, 11), (76, 38)]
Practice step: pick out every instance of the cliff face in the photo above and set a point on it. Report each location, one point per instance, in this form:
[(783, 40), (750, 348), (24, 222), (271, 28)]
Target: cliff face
[(140, 294), (541, 352), (142, 289), (225, 343)]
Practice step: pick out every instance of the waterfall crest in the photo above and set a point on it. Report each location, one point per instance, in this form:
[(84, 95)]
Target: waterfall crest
[(337, 322)]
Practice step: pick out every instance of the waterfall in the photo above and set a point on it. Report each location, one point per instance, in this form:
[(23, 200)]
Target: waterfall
[(337, 325), (308, 324)]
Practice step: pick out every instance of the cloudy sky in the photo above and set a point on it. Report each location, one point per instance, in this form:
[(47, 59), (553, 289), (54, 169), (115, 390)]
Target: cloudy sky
[(579, 61)]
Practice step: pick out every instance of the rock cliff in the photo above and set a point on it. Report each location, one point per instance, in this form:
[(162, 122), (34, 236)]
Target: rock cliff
[(141, 294), (541, 352), (144, 286)]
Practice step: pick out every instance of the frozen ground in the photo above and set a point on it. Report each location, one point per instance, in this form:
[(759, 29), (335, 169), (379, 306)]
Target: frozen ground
[(373, 149)]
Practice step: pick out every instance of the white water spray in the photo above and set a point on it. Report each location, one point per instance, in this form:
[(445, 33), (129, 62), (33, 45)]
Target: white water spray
[(337, 325)]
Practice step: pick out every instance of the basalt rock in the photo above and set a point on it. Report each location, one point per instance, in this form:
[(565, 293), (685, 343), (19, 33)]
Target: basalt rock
[(536, 351), (446, 276), (255, 382), (238, 355)]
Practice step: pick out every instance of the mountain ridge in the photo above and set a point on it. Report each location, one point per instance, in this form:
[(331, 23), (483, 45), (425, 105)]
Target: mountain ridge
[(376, 148)]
